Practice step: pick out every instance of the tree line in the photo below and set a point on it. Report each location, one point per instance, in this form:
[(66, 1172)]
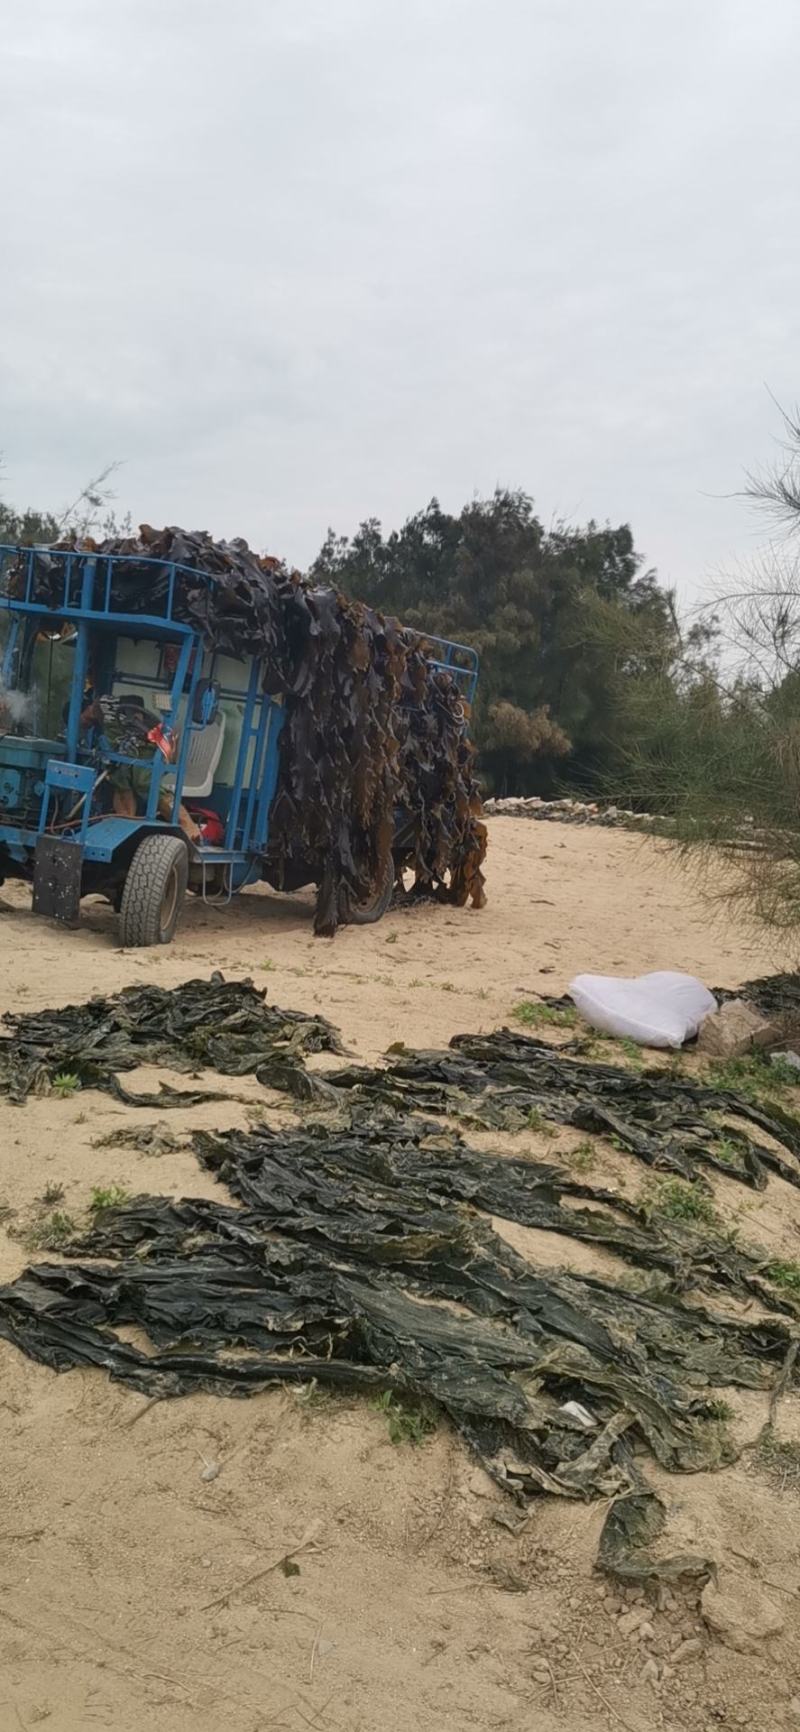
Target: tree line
[(589, 678), (575, 637), (572, 633)]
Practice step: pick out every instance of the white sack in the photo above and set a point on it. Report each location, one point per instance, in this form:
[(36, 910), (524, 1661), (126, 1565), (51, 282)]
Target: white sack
[(662, 1009)]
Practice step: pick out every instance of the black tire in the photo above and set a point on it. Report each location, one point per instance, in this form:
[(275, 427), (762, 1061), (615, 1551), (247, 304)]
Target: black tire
[(154, 890), (369, 912)]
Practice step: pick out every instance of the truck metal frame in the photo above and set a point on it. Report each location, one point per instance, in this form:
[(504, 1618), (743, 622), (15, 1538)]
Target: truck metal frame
[(50, 833)]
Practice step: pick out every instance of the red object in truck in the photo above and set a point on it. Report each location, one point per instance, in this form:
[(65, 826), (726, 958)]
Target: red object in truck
[(212, 829)]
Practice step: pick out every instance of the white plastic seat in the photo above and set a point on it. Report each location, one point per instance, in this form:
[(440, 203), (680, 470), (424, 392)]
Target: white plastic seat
[(202, 759)]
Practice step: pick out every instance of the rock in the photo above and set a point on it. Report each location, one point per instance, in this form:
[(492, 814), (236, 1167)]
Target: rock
[(479, 1483), (691, 1649), (649, 1673), (629, 1623), (735, 1029), (788, 1057), (646, 1633), (740, 1614), (793, 1710)]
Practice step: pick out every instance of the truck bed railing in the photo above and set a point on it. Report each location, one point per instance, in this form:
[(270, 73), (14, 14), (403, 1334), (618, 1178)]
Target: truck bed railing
[(27, 584), (456, 659)]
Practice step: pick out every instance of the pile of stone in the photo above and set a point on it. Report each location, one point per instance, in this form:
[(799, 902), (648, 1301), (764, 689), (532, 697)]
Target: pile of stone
[(568, 811)]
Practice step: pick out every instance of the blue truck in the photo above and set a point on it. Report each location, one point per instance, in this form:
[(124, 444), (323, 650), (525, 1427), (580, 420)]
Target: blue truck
[(137, 762)]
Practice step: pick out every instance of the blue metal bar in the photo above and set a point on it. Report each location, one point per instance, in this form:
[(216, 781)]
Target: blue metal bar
[(81, 663), (269, 777), (255, 771), (124, 624), (245, 742), (186, 732), (158, 763), (68, 778)]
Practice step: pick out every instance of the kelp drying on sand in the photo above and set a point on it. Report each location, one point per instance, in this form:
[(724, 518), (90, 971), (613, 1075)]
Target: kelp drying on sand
[(363, 1249)]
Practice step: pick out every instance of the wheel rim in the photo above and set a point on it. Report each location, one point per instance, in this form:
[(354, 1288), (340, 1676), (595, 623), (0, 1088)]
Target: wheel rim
[(170, 899)]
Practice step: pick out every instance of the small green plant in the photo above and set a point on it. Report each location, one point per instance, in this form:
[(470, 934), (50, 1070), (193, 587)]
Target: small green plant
[(536, 1121), (51, 1233), (531, 1014), (268, 966), (66, 1083), (719, 1409), (753, 1076), (632, 1051), (108, 1197), (582, 1158), (782, 1074), (407, 1422), (679, 1200), (50, 1195), (786, 1274), (392, 938), (727, 1151)]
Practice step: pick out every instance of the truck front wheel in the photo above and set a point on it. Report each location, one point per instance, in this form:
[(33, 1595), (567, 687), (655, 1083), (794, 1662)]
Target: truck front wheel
[(154, 890)]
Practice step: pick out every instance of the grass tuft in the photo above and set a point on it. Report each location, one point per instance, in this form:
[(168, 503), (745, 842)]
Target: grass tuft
[(785, 1272), (108, 1197), (679, 1200), (534, 1015), (408, 1422), (51, 1232)]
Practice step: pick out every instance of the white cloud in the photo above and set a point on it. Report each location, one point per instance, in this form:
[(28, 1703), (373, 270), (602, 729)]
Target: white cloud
[(301, 263)]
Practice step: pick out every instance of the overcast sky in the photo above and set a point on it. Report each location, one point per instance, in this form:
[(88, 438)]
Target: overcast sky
[(298, 262)]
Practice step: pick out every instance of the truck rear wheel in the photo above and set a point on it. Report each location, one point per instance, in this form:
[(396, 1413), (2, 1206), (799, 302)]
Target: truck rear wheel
[(154, 890), (367, 913)]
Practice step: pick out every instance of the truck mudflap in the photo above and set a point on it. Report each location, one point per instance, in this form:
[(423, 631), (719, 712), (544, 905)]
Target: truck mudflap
[(57, 874)]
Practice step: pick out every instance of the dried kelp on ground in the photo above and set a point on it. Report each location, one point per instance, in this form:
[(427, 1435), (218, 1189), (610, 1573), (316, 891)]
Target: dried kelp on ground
[(669, 1122), (214, 1024), (353, 1261), (777, 996), (360, 1253), (372, 732)]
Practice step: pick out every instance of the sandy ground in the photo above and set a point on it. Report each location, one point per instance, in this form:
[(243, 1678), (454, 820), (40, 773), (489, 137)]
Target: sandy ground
[(123, 1571)]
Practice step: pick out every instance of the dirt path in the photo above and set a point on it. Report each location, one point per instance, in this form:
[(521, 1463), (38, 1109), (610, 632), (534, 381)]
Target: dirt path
[(123, 1570)]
